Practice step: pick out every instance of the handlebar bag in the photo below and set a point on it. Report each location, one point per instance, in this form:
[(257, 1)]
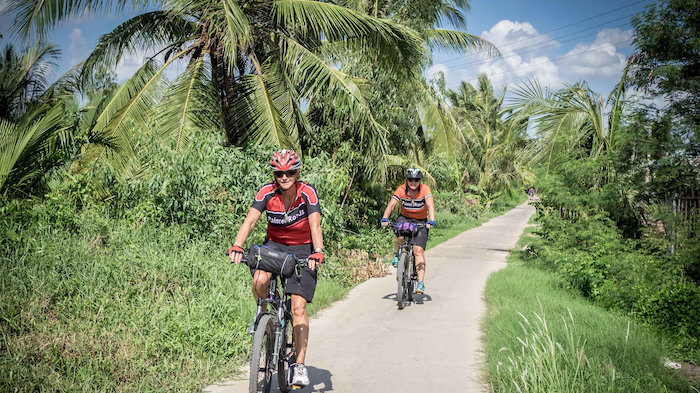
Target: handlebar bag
[(273, 261), (405, 228)]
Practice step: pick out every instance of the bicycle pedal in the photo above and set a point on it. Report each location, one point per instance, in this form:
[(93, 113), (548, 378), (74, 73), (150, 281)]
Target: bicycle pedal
[(295, 387)]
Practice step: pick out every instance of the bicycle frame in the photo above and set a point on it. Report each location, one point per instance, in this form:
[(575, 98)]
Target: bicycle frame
[(277, 301)]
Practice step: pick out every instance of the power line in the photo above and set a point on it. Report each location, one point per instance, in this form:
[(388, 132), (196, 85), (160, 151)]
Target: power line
[(560, 58), (514, 54), (581, 21), (557, 38), (569, 25)]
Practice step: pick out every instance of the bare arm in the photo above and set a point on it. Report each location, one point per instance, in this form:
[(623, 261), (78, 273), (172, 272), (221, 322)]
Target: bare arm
[(431, 209), (316, 235), (244, 231), (389, 208)]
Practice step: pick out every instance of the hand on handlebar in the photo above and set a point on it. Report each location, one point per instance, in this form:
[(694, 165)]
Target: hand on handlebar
[(235, 253), (315, 260)]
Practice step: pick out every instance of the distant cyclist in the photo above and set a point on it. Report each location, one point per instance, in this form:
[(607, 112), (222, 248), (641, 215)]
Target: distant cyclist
[(417, 207), (294, 227)]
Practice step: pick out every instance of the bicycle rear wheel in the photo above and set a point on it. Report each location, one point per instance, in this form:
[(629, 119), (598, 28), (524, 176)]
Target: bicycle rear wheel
[(401, 279), (287, 357), (261, 365)]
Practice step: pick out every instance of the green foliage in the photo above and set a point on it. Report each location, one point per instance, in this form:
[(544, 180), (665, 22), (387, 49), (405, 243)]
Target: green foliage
[(540, 333), (667, 41)]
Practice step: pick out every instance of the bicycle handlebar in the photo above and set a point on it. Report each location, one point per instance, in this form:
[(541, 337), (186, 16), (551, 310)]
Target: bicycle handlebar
[(303, 262)]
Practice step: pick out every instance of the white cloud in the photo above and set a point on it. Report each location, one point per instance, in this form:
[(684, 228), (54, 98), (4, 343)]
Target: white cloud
[(77, 46), (435, 69), (601, 57), (130, 63), (510, 36)]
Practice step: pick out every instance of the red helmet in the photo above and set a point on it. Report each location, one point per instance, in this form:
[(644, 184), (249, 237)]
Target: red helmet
[(285, 160)]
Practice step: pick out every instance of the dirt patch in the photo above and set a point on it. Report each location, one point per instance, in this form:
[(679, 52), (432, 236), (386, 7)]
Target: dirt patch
[(690, 371), (361, 266)]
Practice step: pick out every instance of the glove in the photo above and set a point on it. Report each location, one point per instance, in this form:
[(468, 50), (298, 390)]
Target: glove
[(235, 250), (383, 220), (317, 256), (431, 222)]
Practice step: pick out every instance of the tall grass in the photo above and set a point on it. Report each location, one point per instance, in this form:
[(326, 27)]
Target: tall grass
[(583, 348)]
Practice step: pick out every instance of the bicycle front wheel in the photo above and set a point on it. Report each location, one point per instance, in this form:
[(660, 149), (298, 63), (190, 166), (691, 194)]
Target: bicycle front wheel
[(401, 279), (261, 360), (287, 357)]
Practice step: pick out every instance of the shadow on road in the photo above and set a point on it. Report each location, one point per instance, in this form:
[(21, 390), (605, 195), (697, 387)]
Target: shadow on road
[(320, 381), (417, 299)]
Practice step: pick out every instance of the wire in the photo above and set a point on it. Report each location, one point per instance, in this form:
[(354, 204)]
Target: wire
[(581, 21), (551, 40), (514, 54), (559, 58)]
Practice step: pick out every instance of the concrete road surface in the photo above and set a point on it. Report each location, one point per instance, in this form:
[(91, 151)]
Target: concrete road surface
[(365, 344)]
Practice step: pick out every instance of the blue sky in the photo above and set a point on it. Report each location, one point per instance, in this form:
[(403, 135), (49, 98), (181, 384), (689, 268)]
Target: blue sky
[(595, 50)]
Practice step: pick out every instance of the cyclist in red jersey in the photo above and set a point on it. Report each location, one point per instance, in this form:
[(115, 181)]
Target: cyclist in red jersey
[(416, 206), (293, 226)]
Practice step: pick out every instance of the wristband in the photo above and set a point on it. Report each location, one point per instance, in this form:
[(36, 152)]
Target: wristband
[(431, 222), (384, 220)]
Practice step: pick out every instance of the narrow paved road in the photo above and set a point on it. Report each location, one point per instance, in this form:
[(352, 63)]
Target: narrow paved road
[(365, 344)]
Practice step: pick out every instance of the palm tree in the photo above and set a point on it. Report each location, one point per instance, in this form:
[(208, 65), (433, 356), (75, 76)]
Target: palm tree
[(255, 61), (494, 136), (574, 117), (23, 77)]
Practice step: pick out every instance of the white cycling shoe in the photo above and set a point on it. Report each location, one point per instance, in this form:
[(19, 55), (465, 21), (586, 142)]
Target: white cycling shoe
[(301, 376)]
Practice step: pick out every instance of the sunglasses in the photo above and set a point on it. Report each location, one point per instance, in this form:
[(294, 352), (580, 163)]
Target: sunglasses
[(279, 174), (412, 180)]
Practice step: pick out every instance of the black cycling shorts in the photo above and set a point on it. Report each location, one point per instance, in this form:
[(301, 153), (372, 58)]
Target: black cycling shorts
[(421, 239), (304, 285)]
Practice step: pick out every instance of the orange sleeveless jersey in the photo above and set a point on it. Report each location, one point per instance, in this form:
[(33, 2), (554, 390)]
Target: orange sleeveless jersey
[(415, 207)]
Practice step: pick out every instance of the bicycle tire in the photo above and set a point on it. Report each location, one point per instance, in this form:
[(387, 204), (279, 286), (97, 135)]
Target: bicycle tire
[(400, 275), (284, 377), (263, 348), (409, 278)]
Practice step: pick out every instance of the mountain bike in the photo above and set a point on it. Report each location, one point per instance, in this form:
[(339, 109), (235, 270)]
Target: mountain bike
[(273, 345), (406, 275)]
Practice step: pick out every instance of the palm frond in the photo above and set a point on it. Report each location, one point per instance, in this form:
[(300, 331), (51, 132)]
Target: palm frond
[(191, 103), (24, 149), (257, 111), (316, 22), (149, 30), (459, 41)]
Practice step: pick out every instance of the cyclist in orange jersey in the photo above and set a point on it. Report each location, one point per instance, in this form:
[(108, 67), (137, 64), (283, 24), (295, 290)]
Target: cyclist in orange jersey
[(417, 207)]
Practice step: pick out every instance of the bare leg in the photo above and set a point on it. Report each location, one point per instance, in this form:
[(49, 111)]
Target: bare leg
[(419, 254), (261, 285), (301, 326), (398, 241)]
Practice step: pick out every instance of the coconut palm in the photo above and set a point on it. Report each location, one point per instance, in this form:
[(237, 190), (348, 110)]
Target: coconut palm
[(24, 77), (574, 117), (255, 61), (494, 137)]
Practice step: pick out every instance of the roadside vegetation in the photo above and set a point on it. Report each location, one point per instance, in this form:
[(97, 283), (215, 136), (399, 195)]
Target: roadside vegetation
[(617, 238), (118, 199)]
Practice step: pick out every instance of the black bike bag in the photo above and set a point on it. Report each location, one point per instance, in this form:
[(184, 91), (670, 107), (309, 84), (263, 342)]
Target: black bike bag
[(269, 260)]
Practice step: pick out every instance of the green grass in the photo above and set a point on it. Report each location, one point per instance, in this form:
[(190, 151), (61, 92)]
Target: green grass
[(597, 354)]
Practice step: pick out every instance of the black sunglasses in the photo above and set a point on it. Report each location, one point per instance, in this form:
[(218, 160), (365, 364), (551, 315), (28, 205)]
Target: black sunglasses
[(412, 180), (288, 173)]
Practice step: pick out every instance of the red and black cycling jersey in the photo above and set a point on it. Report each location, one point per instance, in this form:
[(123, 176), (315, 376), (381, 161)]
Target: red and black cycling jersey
[(413, 207), (289, 227)]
